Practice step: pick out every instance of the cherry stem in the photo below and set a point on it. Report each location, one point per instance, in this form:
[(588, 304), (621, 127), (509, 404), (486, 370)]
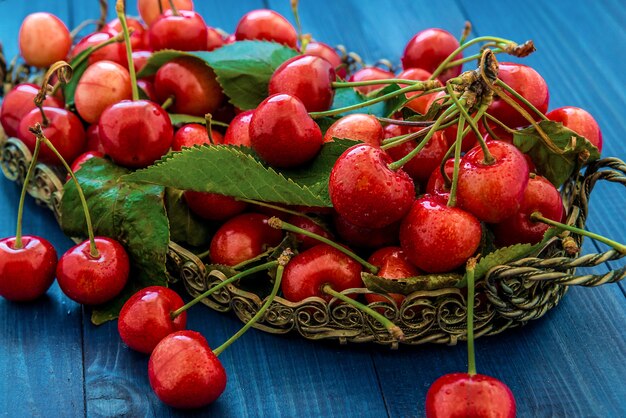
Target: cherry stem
[(282, 262), (269, 205), (400, 122), (401, 139), (538, 217), (521, 98), (392, 328), (160, 6), (121, 15), (38, 131), (345, 84), (173, 7), (277, 223), (457, 161), (499, 123), (470, 58), (20, 208), (82, 25), (104, 8), (117, 38), (296, 16), (252, 270), (64, 73), (203, 254), (467, 30), (471, 356), (168, 102), (488, 128)]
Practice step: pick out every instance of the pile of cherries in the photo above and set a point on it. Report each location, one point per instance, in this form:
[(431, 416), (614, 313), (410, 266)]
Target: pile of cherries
[(413, 195)]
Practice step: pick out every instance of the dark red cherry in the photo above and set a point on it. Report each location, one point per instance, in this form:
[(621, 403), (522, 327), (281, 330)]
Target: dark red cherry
[(370, 73), (429, 48), (93, 139), (214, 39), (322, 50), (266, 25), (392, 263), (364, 237), (579, 121), (213, 206), (308, 224), (148, 88), (422, 103), (357, 126), (238, 132), (115, 52), (18, 103), (422, 165), (185, 31), (194, 134)]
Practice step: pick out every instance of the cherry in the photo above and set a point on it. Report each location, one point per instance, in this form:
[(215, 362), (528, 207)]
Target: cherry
[(311, 226), (184, 30), (358, 127), (266, 25), (101, 85), (140, 59), (308, 78), (184, 372), (422, 103), (438, 238), (283, 133), (364, 237), (26, 270), (214, 39), (539, 196), (393, 264), (492, 192), (436, 184), (370, 73), (238, 132), (322, 50), (148, 88), (192, 84), (529, 84), (113, 52), (366, 191), (82, 159), (114, 27), (93, 139), (469, 141), (243, 237), (150, 10), (18, 102), (428, 159), (579, 121), (93, 280), (466, 395), (145, 318), (429, 48), (213, 206), (194, 134), (44, 39)]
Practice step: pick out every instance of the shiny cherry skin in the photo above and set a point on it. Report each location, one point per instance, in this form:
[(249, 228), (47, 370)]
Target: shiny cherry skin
[(419, 104), (266, 25), (492, 192), (579, 121), (465, 395), (365, 191), (145, 318), (150, 10), (306, 242), (135, 133), (194, 134), (322, 50), (214, 39), (429, 48), (26, 273), (148, 88), (436, 184), (528, 83), (140, 59), (311, 269), (540, 196), (93, 139), (238, 132), (193, 85), (185, 31), (213, 206), (422, 165), (18, 102), (364, 237), (93, 281), (283, 133), (115, 52), (392, 263), (437, 238), (64, 130), (358, 127), (102, 84), (308, 78), (243, 237), (184, 372), (469, 141), (370, 73), (44, 39), (137, 38), (82, 159)]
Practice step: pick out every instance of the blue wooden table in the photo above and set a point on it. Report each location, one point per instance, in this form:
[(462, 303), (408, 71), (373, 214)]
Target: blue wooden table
[(571, 363)]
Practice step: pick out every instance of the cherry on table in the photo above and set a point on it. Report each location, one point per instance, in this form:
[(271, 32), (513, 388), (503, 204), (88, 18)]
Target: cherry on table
[(264, 24), (429, 48), (20, 101), (184, 30), (579, 121), (322, 50), (238, 131), (358, 127), (150, 10), (194, 134), (43, 39), (370, 73)]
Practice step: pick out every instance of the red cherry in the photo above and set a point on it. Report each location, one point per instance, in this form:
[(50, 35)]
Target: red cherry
[(422, 103), (308, 78), (101, 85), (370, 73), (463, 395), (140, 59), (184, 372), (364, 190), (428, 159), (64, 130), (44, 39), (438, 238), (185, 31), (193, 85), (93, 280), (238, 132), (148, 88), (393, 264), (194, 134), (579, 121), (135, 133), (359, 127), (322, 50), (150, 10), (266, 25), (114, 27), (364, 237), (230, 39), (308, 271), (93, 139), (26, 273), (528, 83), (145, 318), (213, 206), (214, 39), (436, 185), (18, 102), (242, 238), (429, 48), (82, 159), (308, 225), (492, 192), (540, 195), (393, 130), (115, 52), (283, 133)]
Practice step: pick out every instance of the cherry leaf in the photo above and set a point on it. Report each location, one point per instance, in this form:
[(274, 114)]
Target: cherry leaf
[(185, 226), (408, 285), (348, 96)]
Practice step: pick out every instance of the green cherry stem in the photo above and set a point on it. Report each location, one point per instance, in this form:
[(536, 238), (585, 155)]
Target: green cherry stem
[(296, 16), (277, 223), (401, 139), (490, 131), (457, 161), (20, 208), (538, 217), (467, 30), (345, 84), (121, 15), (470, 58), (392, 328), (209, 127), (64, 73), (499, 123), (168, 102), (520, 98), (471, 356), (173, 7), (270, 206), (400, 122)]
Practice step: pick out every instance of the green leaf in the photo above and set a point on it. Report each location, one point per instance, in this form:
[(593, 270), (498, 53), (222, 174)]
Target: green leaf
[(408, 285), (181, 119), (348, 96), (133, 214), (157, 60), (110, 310), (185, 226), (69, 89), (229, 170), (555, 166)]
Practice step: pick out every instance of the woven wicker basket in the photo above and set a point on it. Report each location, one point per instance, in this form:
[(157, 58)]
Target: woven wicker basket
[(509, 296)]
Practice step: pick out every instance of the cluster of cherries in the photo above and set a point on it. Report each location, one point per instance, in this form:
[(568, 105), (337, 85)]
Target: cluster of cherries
[(373, 185)]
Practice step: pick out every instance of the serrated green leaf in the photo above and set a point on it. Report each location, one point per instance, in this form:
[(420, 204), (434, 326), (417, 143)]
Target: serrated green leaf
[(157, 60), (408, 285), (555, 166), (182, 119), (185, 226)]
